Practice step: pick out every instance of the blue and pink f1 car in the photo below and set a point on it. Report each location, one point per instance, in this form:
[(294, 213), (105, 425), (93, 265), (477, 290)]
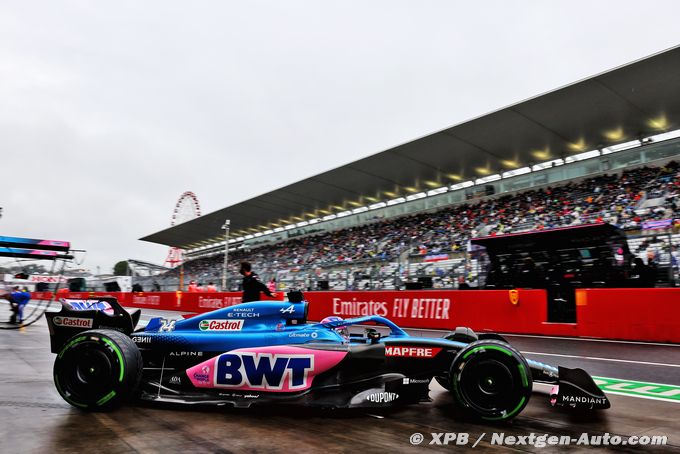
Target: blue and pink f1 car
[(267, 352)]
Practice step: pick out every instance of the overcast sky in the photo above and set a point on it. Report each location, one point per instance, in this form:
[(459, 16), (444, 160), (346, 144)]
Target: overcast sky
[(110, 110)]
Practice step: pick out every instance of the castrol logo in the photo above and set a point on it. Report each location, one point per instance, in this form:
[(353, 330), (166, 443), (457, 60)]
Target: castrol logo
[(220, 325), (73, 322)]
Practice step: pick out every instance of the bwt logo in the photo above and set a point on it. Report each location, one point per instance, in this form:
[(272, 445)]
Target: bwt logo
[(90, 305), (264, 371)]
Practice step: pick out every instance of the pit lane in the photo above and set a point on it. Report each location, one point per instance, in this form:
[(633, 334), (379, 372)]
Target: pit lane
[(34, 418)]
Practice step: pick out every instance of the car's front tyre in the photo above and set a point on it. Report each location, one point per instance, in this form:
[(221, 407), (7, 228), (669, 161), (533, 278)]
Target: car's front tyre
[(461, 334), (97, 369), (491, 379)]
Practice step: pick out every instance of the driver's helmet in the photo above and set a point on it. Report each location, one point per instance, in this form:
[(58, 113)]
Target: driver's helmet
[(341, 330)]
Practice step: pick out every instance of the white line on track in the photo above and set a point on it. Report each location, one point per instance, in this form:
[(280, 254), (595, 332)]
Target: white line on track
[(587, 339), (538, 336), (641, 397), (602, 359)]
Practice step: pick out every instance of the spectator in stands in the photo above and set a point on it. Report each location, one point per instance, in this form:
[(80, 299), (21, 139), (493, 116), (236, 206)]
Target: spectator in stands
[(252, 287), (211, 288), (675, 258)]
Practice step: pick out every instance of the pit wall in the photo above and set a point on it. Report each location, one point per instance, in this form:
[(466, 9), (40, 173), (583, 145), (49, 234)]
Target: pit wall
[(651, 315)]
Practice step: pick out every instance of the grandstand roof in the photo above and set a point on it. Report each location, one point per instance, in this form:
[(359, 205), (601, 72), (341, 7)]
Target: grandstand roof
[(630, 102)]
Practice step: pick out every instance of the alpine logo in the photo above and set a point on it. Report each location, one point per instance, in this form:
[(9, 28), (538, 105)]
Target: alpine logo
[(186, 354), (288, 310), (73, 322), (382, 398), (220, 325), (263, 371), (412, 352)]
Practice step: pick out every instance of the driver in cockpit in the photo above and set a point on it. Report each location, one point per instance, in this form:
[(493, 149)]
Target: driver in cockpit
[(342, 330)]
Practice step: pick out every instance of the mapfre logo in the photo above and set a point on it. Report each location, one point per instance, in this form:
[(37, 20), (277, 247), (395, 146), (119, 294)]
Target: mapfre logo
[(73, 322), (263, 371), (412, 352), (220, 325)]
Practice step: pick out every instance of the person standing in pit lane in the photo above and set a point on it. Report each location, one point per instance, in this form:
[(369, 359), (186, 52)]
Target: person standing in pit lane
[(252, 287), (17, 300), (211, 288)]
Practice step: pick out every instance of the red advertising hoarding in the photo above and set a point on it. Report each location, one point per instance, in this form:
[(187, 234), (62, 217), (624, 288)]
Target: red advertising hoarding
[(651, 315)]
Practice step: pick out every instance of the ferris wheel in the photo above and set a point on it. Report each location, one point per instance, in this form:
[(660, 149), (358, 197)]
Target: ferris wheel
[(186, 209)]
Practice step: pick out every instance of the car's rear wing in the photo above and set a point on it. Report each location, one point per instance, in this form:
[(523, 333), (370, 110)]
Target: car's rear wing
[(78, 315)]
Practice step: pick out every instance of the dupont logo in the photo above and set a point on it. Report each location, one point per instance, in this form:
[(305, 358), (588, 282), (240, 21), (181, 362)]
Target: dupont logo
[(412, 352), (380, 398), (73, 322), (220, 325)]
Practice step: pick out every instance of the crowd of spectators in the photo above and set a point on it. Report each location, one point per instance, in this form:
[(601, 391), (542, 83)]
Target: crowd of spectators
[(616, 199)]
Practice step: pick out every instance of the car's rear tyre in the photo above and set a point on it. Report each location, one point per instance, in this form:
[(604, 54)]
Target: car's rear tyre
[(98, 369), (491, 380)]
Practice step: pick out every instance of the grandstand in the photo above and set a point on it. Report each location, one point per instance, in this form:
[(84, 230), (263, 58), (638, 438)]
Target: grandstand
[(600, 150)]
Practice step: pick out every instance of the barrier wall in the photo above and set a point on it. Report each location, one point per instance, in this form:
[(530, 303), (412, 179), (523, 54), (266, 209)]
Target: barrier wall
[(651, 315), (631, 314), (480, 310), (173, 301)]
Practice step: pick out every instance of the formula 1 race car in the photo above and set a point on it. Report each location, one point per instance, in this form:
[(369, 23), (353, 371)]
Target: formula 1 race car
[(266, 352)]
